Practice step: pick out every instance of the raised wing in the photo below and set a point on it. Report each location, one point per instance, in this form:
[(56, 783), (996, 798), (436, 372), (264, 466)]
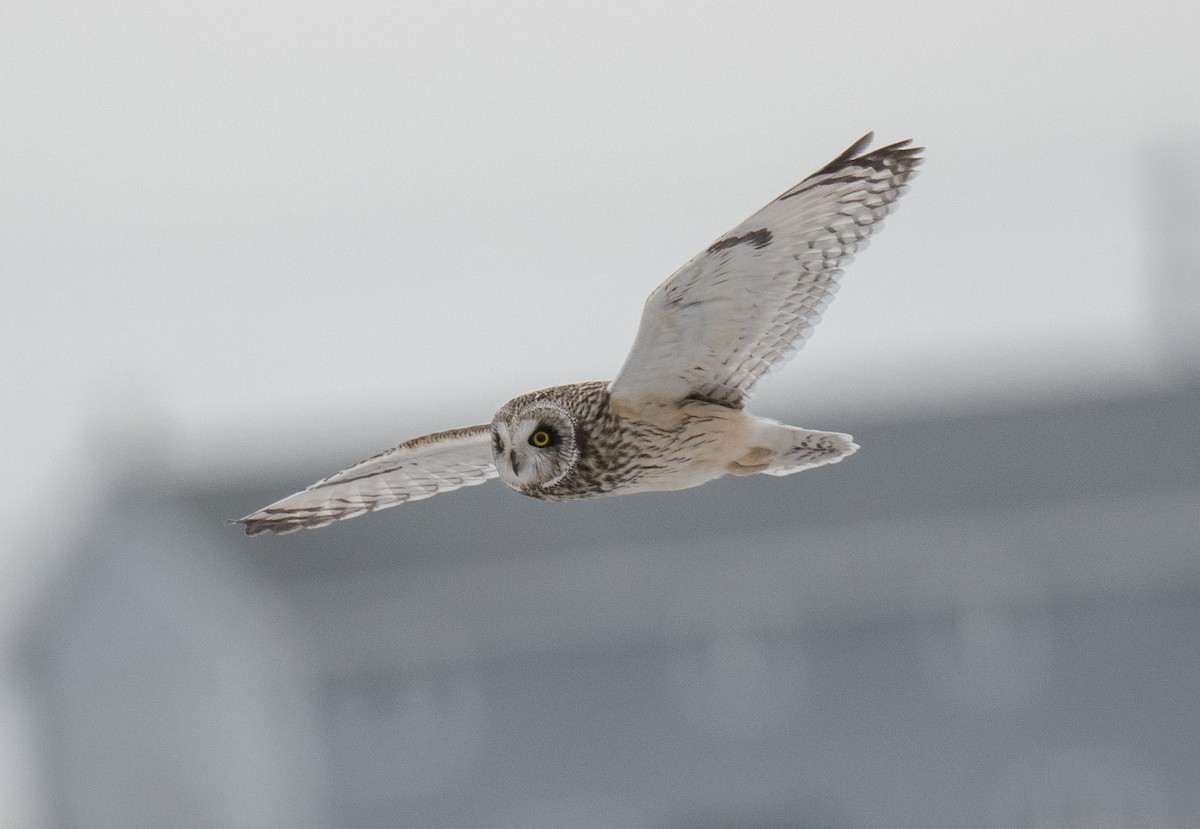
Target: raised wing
[(746, 303), (415, 469)]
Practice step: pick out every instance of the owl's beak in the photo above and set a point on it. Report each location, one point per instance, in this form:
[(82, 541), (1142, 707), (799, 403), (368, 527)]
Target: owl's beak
[(512, 459)]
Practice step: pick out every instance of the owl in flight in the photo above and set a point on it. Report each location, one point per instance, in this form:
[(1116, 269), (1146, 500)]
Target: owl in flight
[(675, 415)]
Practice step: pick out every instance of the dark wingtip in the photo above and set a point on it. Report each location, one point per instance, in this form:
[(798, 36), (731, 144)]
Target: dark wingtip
[(899, 156), (900, 148), (251, 526), (859, 145), (897, 150), (848, 154)]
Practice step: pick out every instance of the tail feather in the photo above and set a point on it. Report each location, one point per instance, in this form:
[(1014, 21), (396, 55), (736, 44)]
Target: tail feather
[(809, 449), (777, 449)]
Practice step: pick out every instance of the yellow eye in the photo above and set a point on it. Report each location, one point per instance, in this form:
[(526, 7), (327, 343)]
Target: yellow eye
[(540, 438)]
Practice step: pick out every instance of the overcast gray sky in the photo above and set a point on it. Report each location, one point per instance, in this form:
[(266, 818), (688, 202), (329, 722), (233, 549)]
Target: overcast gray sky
[(281, 224)]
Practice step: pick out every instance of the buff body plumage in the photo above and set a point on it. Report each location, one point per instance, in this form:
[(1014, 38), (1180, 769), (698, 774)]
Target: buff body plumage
[(666, 447)]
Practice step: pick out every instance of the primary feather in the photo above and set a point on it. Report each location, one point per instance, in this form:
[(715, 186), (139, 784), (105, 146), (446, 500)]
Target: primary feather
[(416, 469)]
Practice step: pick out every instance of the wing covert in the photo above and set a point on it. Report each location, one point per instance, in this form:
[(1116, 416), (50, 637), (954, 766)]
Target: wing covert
[(744, 304), (416, 469)]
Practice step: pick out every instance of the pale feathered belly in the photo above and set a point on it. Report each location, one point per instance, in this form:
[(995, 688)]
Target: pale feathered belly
[(696, 446), (654, 450)]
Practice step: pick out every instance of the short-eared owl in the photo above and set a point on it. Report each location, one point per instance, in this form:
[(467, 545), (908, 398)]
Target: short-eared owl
[(675, 416)]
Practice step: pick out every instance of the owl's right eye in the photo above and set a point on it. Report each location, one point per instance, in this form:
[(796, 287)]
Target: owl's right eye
[(542, 438)]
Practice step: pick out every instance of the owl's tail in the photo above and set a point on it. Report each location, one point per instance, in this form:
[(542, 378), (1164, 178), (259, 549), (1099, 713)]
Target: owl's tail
[(777, 449)]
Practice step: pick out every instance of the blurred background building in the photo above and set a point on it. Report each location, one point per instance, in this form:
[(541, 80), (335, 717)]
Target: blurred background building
[(242, 246), (987, 620)]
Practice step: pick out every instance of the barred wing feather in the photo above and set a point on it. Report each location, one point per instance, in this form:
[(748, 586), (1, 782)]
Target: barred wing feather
[(416, 469), (746, 303)]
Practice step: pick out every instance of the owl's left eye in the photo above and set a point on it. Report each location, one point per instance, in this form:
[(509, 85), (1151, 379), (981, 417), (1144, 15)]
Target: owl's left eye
[(542, 438)]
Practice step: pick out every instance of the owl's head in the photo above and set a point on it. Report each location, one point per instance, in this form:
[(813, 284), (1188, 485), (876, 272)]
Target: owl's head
[(534, 445)]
